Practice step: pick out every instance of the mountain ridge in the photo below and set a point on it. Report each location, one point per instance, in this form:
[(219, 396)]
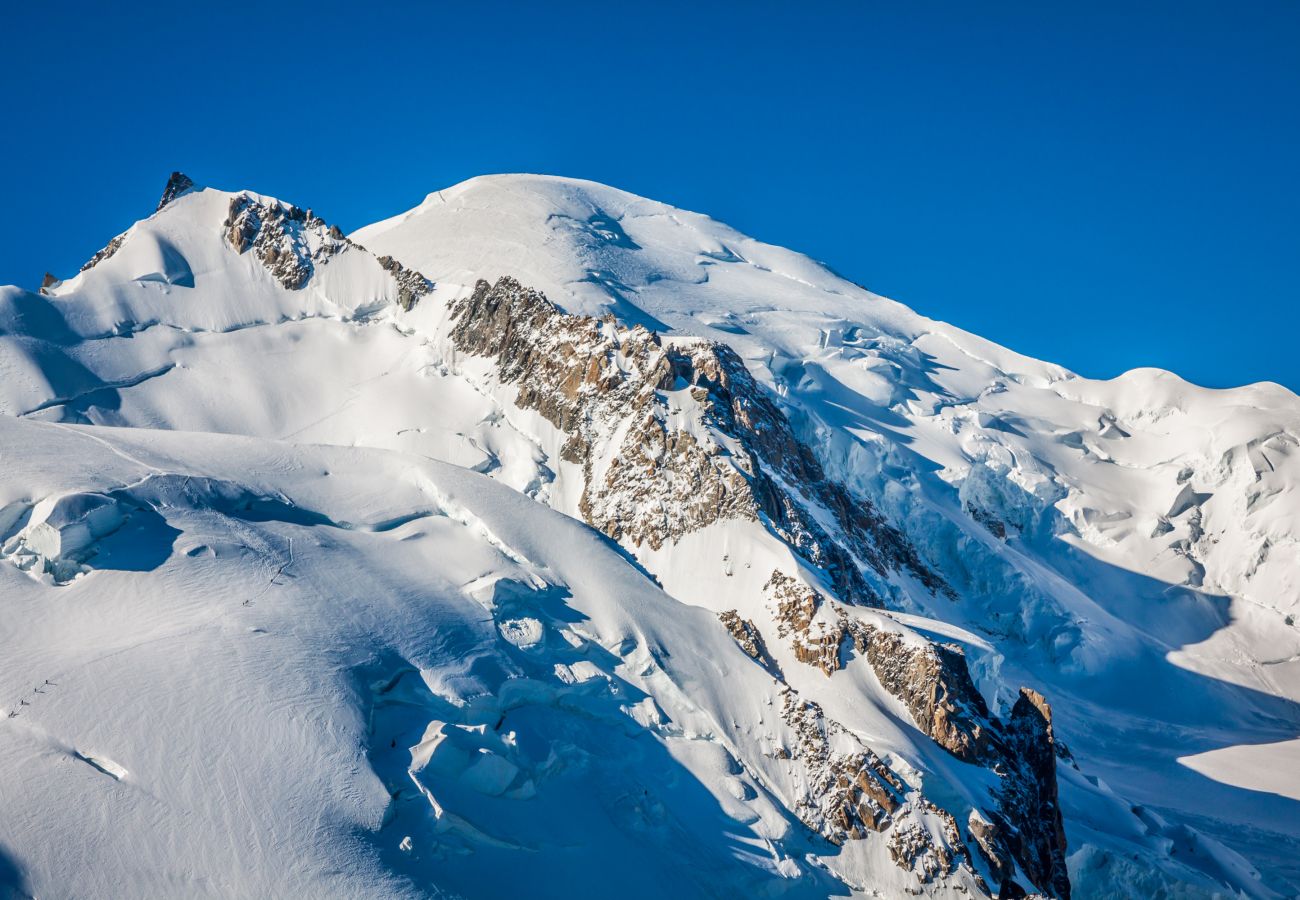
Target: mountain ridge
[(1077, 543)]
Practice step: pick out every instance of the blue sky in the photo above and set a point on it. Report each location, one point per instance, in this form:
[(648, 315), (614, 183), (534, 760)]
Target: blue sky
[(1105, 185)]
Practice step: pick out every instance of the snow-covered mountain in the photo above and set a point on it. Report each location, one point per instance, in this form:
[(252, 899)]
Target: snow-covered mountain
[(549, 539)]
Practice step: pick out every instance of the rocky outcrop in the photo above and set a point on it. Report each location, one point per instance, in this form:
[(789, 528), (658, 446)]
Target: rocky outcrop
[(990, 841), (930, 679), (291, 242), (411, 285), (288, 241), (850, 794), (995, 525), (854, 793), (112, 247), (915, 848), (1029, 795), (674, 436), (934, 684), (1023, 824), (750, 640), (177, 184), (815, 630)]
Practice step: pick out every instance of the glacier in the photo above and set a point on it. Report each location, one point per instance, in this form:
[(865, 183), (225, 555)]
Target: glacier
[(547, 538)]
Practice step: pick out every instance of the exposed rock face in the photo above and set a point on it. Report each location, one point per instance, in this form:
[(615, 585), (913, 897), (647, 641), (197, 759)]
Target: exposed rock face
[(995, 525), (913, 847), (411, 285), (750, 639), (291, 242), (1029, 795), (934, 684), (851, 792), (178, 184), (815, 630), (931, 679), (104, 254), (288, 241), (674, 437), (990, 840)]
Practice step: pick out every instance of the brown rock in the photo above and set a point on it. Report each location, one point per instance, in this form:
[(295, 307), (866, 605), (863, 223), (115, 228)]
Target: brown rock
[(586, 375), (750, 640), (934, 684), (277, 235)]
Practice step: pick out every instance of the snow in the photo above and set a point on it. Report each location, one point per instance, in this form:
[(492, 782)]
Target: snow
[(1261, 767), (316, 616), (320, 642)]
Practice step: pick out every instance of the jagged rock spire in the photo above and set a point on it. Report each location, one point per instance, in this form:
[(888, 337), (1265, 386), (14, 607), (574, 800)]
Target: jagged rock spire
[(178, 184)]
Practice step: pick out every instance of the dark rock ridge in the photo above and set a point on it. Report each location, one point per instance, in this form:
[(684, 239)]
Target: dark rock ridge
[(290, 242), (934, 684), (816, 637), (657, 480), (411, 285), (848, 791), (995, 525), (1035, 834), (849, 794), (178, 184), (675, 435)]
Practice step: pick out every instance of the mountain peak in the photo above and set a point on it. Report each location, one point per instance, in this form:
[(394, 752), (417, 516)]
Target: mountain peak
[(636, 540), (177, 184)]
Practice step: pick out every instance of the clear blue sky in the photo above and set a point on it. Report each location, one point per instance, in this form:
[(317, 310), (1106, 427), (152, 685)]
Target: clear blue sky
[(1105, 185)]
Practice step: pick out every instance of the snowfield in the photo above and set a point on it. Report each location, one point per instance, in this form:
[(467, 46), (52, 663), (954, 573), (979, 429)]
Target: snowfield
[(305, 590)]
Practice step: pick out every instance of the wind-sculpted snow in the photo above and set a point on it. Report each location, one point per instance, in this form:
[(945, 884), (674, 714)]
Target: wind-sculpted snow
[(308, 625), (871, 606)]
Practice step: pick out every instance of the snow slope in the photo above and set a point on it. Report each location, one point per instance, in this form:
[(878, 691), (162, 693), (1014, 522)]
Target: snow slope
[(296, 645), (218, 699), (1152, 524)]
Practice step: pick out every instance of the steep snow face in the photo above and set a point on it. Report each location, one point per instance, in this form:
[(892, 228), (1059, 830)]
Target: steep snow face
[(1122, 532), (772, 445)]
